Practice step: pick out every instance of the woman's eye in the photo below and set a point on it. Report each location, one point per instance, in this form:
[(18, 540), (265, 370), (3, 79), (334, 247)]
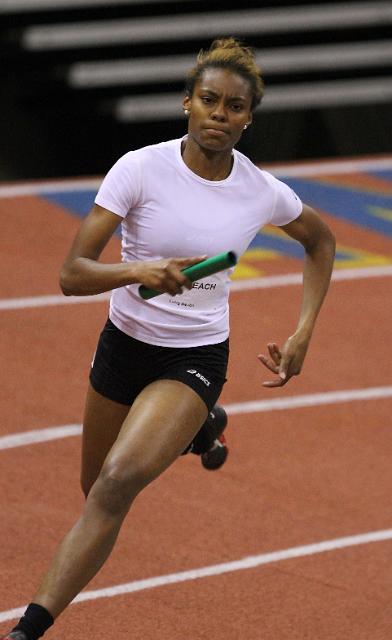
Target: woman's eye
[(207, 99), (236, 107)]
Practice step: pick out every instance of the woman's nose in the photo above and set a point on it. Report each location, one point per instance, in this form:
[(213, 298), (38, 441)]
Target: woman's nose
[(219, 112)]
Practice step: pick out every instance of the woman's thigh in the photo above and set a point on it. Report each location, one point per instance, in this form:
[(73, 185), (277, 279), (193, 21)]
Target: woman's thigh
[(163, 420), (103, 419)]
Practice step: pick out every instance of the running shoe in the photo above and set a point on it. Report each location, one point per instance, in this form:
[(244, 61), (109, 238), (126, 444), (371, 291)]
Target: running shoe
[(210, 443)]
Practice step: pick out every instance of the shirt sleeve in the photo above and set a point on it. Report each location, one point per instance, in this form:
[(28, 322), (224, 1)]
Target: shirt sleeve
[(121, 187), (287, 207)]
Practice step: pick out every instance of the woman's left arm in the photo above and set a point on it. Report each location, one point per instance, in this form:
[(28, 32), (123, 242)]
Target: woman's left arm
[(319, 245)]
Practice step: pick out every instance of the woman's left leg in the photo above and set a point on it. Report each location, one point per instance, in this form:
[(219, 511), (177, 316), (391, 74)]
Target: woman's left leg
[(161, 423)]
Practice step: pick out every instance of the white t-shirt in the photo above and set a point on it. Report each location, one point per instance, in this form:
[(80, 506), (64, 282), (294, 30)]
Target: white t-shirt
[(169, 211)]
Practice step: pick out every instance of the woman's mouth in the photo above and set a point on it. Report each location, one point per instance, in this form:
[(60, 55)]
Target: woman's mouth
[(216, 132)]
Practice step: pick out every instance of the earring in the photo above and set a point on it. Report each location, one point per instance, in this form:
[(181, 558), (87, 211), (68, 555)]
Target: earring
[(187, 112), (246, 126)]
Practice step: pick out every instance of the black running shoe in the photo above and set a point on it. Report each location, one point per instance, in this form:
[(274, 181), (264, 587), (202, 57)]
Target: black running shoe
[(210, 443), (215, 457), (15, 635)]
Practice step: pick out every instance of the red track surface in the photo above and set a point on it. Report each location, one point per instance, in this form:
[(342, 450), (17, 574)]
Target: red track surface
[(294, 477)]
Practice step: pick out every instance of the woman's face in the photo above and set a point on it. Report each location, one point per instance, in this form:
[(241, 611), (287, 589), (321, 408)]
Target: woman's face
[(220, 107)]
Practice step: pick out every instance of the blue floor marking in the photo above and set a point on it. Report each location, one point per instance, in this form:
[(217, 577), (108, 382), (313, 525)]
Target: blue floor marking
[(264, 241), (79, 202), (288, 247), (344, 203), (385, 174)]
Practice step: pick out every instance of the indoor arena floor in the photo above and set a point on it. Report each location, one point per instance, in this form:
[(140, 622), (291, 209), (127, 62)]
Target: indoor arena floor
[(292, 538)]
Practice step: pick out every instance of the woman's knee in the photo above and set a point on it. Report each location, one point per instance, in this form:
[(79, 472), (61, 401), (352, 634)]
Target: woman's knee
[(117, 487)]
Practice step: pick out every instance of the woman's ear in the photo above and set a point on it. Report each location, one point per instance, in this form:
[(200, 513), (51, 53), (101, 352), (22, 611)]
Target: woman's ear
[(186, 103)]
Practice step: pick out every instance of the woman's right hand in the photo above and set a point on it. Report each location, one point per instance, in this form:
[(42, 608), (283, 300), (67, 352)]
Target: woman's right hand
[(83, 274), (164, 275)]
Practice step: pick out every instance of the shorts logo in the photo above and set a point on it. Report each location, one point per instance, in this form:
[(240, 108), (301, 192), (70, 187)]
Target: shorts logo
[(198, 375)]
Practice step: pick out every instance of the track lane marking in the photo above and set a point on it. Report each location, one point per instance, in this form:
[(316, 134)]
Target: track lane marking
[(39, 435), (9, 304), (310, 168), (249, 562), (309, 400), (256, 406), (266, 282)]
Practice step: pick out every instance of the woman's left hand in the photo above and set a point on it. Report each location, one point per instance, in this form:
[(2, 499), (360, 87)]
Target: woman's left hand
[(286, 362)]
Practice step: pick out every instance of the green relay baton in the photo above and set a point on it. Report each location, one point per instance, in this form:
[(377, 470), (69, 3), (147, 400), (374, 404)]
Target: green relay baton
[(197, 271)]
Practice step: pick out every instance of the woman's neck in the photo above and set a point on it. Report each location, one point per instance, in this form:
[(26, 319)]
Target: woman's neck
[(210, 165)]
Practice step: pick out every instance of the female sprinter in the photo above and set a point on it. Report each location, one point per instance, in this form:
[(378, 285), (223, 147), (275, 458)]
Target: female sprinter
[(160, 364)]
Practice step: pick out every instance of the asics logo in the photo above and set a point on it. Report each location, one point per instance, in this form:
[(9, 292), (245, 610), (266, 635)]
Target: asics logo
[(198, 375)]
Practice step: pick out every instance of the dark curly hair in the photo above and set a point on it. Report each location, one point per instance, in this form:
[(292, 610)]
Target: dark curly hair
[(228, 53)]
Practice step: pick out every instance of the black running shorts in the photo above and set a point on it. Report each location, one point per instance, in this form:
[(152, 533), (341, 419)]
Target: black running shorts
[(123, 366)]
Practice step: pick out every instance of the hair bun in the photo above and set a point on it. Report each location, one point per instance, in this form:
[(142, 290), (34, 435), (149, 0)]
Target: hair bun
[(229, 53)]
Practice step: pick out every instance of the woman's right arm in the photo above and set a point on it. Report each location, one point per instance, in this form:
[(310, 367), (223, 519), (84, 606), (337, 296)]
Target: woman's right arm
[(82, 274)]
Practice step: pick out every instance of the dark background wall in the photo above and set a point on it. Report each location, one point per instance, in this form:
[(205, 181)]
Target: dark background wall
[(327, 69)]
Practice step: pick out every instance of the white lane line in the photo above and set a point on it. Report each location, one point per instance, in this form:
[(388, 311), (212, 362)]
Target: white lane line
[(330, 167), (20, 189), (39, 435), (9, 304), (267, 282), (324, 167), (256, 406), (290, 279), (249, 562), (309, 400)]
